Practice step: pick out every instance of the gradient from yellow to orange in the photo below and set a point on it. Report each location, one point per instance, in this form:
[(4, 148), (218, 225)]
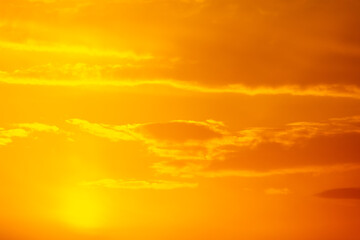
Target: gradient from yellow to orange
[(179, 119)]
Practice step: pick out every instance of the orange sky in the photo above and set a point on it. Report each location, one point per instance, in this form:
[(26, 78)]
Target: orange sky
[(179, 119)]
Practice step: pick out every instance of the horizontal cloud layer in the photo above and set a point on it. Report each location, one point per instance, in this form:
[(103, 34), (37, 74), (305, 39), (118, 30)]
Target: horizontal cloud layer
[(341, 193), (209, 149), (297, 47), (92, 76)]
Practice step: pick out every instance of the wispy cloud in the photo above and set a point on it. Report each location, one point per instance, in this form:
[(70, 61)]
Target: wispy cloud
[(201, 169), (114, 133), (40, 127), (72, 49), (24, 130), (177, 139), (7, 136), (209, 149), (209, 138), (333, 90)]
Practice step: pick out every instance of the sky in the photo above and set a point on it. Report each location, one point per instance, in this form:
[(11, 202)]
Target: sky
[(179, 119)]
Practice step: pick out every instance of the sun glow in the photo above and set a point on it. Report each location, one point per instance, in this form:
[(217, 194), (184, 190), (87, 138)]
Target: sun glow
[(82, 210)]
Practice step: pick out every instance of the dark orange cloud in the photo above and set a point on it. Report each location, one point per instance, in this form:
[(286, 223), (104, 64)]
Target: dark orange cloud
[(267, 44), (177, 139), (182, 131), (302, 48), (300, 148), (318, 151), (341, 193)]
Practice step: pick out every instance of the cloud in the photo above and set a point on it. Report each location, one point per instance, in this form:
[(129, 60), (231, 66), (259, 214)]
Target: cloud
[(321, 153), (341, 193), (114, 133), (131, 74), (275, 49), (70, 49), (177, 139), (83, 75), (137, 184), (294, 47), (201, 169), (183, 131), (24, 130), (209, 149), (39, 127), (297, 148), (6, 136)]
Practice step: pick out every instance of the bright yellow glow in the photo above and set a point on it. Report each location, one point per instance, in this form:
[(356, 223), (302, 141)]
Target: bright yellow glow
[(81, 210)]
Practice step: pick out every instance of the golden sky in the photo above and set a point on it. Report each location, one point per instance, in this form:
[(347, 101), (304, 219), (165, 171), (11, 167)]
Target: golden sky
[(180, 119)]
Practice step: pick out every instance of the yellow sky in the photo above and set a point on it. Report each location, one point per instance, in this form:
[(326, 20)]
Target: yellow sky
[(179, 119)]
